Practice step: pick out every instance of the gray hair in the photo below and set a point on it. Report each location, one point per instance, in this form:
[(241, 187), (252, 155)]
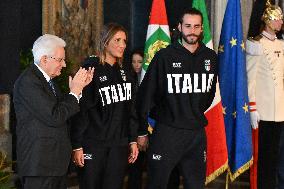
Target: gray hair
[(45, 46)]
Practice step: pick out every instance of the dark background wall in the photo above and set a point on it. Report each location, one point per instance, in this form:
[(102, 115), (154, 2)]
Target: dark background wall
[(134, 16), (20, 22)]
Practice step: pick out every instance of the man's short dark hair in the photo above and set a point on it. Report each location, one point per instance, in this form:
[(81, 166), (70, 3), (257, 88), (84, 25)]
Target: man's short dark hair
[(191, 11)]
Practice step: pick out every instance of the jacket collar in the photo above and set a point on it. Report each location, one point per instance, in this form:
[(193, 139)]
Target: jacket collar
[(177, 44), (35, 69)]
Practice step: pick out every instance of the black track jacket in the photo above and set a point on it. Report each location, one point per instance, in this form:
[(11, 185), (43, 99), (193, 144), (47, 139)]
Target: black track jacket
[(107, 116), (179, 86)]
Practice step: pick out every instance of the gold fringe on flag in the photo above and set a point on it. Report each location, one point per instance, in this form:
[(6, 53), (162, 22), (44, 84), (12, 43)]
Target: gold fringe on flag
[(216, 173), (240, 170)]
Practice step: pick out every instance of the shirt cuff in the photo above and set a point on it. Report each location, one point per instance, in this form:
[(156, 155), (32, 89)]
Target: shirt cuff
[(132, 143), (143, 135), (77, 149), (77, 97)]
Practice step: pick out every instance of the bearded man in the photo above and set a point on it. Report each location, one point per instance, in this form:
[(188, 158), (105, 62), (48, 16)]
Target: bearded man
[(180, 86)]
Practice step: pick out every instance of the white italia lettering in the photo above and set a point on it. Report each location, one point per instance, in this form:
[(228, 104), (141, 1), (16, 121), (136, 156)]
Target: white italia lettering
[(122, 96), (106, 93), (195, 80), (177, 79), (103, 102), (203, 83), (127, 88), (170, 84), (190, 83), (187, 86), (115, 93), (210, 80)]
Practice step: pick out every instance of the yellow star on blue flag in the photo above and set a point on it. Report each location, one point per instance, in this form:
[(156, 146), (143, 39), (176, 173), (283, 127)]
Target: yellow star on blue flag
[(246, 108), (233, 42), (243, 46)]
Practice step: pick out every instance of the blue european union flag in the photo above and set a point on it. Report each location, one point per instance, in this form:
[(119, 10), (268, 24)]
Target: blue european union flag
[(233, 87)]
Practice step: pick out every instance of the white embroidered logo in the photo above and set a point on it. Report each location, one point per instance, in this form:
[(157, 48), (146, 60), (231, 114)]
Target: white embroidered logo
[(156, 157), (88, 156), (176, 64), (207, 65), (103, 78), (123, 75)]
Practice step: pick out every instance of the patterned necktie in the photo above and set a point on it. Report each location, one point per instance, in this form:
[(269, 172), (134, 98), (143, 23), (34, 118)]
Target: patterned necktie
[(52, 87)]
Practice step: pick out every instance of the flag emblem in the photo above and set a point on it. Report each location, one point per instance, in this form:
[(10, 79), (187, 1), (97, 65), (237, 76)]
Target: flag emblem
[(123, 75), (207, 65), (153, 48)]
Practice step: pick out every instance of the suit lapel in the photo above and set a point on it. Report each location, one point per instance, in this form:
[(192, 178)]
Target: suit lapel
[(40, 76)]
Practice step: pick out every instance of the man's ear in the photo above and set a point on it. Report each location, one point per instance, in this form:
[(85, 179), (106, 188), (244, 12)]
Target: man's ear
[(179, 27), (43, 60)]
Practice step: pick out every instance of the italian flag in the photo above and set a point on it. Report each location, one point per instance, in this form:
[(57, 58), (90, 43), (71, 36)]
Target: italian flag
[(217, 155), (158, 33)]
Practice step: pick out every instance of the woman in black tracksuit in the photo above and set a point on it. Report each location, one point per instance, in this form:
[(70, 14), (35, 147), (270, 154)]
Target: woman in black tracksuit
[(104, 131)]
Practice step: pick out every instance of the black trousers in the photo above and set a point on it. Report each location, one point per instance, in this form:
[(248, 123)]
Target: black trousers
[(269, 156), (136, 169), (281, 162), (44, 182), (171, 147), (104, 167), (135, 172)]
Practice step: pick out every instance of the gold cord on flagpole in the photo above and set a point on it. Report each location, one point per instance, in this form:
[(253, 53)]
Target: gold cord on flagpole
[(227, 180)]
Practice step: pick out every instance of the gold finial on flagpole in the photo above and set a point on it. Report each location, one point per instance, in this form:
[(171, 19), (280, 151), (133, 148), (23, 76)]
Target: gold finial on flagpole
[(268, 3)]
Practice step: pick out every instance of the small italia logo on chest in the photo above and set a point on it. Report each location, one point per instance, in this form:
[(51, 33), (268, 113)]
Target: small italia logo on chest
[(207, 65), (123, 75)]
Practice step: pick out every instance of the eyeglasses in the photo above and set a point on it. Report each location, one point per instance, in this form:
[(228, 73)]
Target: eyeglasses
[(60, 60)]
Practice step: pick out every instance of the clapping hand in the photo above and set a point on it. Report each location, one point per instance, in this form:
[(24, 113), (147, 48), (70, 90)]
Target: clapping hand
[(81, 79)]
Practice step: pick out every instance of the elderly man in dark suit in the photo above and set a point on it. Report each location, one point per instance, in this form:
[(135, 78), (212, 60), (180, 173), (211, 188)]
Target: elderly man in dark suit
[(43, 146)]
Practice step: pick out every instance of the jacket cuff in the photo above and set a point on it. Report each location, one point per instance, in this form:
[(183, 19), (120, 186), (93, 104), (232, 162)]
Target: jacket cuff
[(252, 106), (77, 149), (76, 146), (132, 139)]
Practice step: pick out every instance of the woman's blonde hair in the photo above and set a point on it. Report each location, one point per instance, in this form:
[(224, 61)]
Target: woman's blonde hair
[(107, 33)]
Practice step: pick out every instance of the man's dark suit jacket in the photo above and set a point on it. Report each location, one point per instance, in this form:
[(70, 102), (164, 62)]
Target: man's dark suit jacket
[(43, 145)]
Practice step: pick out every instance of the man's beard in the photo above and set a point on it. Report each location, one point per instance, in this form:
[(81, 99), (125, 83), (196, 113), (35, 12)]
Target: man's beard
[(191, 41)]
